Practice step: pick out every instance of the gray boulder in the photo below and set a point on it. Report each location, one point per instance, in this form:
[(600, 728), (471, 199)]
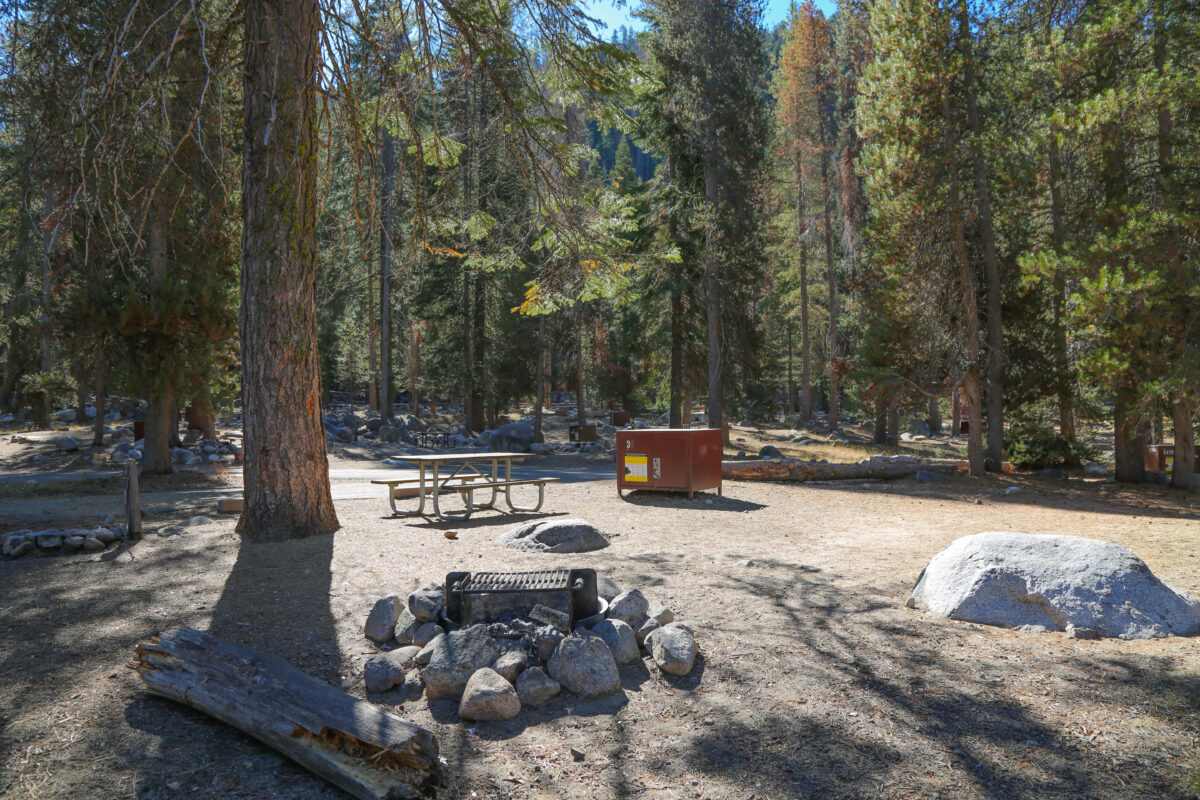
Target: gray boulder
[(536, 688), (928, 476), (513, 437), (425, 633), (384, 671), (488, 697), (555, 536), (645, 629), (607, 588), (14, 540), (23, 549), (66, 443), (415, 424), (405, 656), (511, 664), (673, 648), (92, 544), (73, 542), (660, 613), (455, 657), (545, 640), (1095, 470), (381, 622), (1017, 579), (630, 607), (619, 638), (390, 435), (425, 604), (584, 666), (344, 434), (48, 540), (425, 653), (770, 451), (407, 627)]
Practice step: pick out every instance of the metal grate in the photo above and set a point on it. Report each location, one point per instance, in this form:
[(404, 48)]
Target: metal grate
[(544, 580)]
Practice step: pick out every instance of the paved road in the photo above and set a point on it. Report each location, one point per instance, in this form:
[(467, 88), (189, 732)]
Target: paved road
[(346, 484)]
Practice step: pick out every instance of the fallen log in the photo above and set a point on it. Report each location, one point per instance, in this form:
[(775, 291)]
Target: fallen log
[(787, 469), (355, 745)]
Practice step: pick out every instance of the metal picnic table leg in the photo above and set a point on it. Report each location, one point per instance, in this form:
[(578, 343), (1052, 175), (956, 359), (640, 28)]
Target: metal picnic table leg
[(437, 509), (490, 504), (508, 489), (421, 493)]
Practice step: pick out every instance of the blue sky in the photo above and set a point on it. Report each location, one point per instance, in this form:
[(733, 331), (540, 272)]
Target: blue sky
[(607, 11)]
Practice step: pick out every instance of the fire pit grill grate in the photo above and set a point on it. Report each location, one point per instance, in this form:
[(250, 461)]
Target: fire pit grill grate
[(545, 580), (572, 591)]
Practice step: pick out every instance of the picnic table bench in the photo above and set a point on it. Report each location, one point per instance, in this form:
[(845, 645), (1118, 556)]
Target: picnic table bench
[(466, 480)]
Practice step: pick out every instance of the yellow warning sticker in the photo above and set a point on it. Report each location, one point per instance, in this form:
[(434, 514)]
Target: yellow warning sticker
[(635, 467)]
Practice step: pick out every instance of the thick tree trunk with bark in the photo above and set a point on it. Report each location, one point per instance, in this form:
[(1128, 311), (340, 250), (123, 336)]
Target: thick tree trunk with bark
[(881, 408), (831, 279), (955, 413), (991, 262), (580, 409), (1065, 382), (385, 277), (1183, 471), (156, 452), (675, 414), (1128, 439), (286, 472), (711, 283), (198, 416), (806, 398), (935, 417), (893, 418), (480, 393)]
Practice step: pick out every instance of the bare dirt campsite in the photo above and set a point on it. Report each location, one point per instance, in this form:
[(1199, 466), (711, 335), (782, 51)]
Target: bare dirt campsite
[(812, 679)]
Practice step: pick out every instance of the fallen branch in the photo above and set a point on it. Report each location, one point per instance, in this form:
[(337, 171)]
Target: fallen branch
[(787, 469), (358, 746)]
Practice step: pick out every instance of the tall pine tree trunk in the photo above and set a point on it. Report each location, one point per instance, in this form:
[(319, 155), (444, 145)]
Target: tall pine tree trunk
[(1128, 437), (286, 475), (881, 409), (991, 262), (831, 278), (675, 415), (156, 451), (806, 398), (1183, 471), (479, 396), (99, 378), (385, 277), (1065, 379), (935, 417), (580, 409), (716, 414)]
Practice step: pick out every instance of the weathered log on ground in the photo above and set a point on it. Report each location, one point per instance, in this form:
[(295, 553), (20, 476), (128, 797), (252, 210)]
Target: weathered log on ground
[(358, 746), (792, 470)]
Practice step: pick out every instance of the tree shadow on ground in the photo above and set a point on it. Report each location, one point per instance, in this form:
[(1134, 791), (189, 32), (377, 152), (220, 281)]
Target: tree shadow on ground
[(276, 601), (875, 687), (706, 501)]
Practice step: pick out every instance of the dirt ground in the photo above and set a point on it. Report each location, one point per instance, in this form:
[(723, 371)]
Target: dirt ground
[(813, 680)]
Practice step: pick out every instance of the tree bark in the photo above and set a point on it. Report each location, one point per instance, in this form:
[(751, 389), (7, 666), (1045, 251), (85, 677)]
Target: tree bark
[(481, 393), (101, 397), (991, 262), (1128, 439), (955, 413), (831, 278), (198, 415), (539, 381), (806, 399), (1183, 471), (1065, 384), (790, 393), (156, 451), (675, 415), (580, 409), (935, 417), (893, 418), (286, 472), (385, 277), (711, 284), (881, 405)]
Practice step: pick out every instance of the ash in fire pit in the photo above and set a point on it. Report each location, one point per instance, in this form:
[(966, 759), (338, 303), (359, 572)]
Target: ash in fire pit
[(504, 640)]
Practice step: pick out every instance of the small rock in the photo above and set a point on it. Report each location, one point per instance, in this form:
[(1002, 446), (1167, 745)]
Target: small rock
[(170, 530), (673, 648), (1095, 470), (455, 657), (104, 535), (1012, 490), (66, 444), (577, 754), (644, 630), (24, 549), (1081, 633), (407, 627), (192, 522), (1059, 474), (536, 688), (48, 540), (93, 544), (620, 640), (405, 656), (426, 604), (928, 476), (585, 666), (414, 685), (425, 653), (607, 588), (381, 622), (384, 671), (629, 607), (73, 542), (745, 562), (770, 451), (546, 640), (657, 611), (511, 664), (488, 696), (424, 634)]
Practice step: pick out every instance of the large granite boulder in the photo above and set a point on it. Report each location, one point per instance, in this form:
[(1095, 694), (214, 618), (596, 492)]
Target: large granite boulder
[(513, 437), (555, 536), (1018, 579), (488, 697), (584, 666)]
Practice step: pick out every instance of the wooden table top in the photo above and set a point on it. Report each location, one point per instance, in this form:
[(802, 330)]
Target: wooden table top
[(452, 457)]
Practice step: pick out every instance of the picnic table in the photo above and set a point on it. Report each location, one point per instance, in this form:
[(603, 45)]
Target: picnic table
[(433, 482)]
